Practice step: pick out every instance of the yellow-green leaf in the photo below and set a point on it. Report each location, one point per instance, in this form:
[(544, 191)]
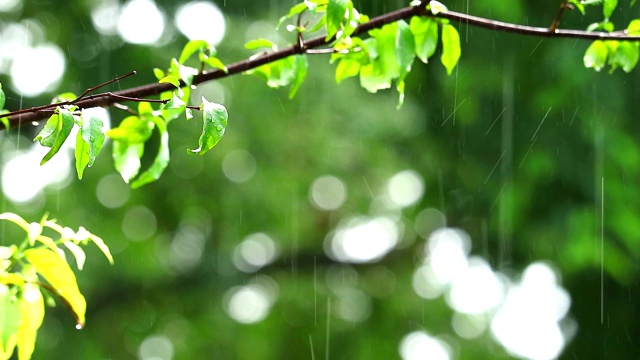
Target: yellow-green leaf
[(10, 318), (32, 310), (55, 270), (214, 118), (450, 47)]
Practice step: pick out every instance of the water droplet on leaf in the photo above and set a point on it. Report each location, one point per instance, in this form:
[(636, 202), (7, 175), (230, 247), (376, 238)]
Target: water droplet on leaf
[(79, 326)]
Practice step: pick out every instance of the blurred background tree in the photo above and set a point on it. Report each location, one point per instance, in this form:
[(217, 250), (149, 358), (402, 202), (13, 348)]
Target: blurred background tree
[(493, 216)]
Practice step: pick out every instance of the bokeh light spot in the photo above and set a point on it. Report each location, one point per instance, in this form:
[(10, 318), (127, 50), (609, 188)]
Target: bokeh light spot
[(419, 345), (112, 192), (139, 223), (141, 22), (239, 165), (32, 75), (327, 193), (405, 188), (200, 20), (362, 239), (476, 289), (254, 252), (156, 347), (247, 304)]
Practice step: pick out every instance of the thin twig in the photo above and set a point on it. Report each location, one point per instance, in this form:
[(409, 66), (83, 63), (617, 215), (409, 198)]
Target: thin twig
[(107, 99), (556, 22)]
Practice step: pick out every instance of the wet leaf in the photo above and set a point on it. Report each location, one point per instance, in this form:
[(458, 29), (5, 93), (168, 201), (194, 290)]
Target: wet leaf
[(77, 253), (89, 140), (55, 270), (301, 68), (608, 6), (63, 126), (596, 55), (32, 311), (161, 160), (450, 47), (437, 7), (191, 48), (259, 44), (214, 117), (336, 10), (405, 52), (2, 97), (10, 318), (425, 32), (625, 56), (132, 130), (634, 27), (170, 79), (126, 158)]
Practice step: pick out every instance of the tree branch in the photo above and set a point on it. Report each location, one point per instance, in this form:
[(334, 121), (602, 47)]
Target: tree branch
[(19, 117)]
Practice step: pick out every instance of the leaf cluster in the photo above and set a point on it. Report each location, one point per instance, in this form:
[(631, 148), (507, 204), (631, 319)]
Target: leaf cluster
[(32, 272)]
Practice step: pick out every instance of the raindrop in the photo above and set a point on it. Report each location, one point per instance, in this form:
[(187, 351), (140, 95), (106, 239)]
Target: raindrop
[(79, 326)]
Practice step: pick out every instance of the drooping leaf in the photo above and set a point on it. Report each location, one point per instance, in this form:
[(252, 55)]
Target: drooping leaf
[(336, 10), (126, 158), (10, 319), (191, 48), (608, 6), (347, 68), (132, 130), (383, 66), (298, 9), (596, 55), (405, 53), (89, 140), (55, 270), (450, 47), (215, 63), (187, 73), (425, 32), (214, 117), (47, 135), (625, 56), (162, 158), (99, 243), (32, 311), (77, 253), (63, 128), (301, 69)]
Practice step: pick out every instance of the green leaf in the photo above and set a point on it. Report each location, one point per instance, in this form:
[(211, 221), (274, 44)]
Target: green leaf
[(161, 161), (89, 140), (47, 135), (578, 5), (59, 275), (634, 27), (259, 44), (625, 56), (10, 319), (347, 68), (126, 158), (437, 7), (596, 55), (450, 47), (298, 9), (608, 6), (159, 73), (215, 63), (336, 10), (173, 109), (425, 32), (32, 311), (214, 118), (187, 73), (171, 79), (62, 130), (191, 48), (132, 130), (2, 97), (301, 69), (384, 66), (405, 53)]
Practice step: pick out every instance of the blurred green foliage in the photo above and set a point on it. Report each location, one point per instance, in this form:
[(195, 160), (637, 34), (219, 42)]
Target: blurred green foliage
[(522, 147)]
